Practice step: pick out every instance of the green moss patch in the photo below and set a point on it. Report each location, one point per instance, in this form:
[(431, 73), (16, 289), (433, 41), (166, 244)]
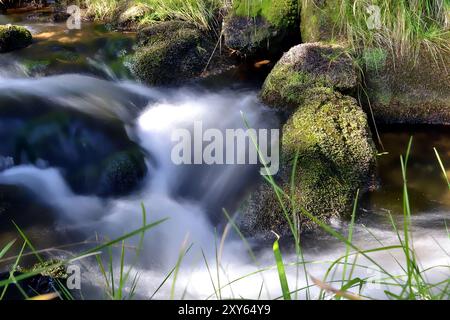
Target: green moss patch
[(14, 38), (170, 52), (308, 66), (280, 13)]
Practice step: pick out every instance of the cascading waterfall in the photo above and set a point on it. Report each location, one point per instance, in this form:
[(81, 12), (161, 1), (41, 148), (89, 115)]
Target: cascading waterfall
[(190, 196)]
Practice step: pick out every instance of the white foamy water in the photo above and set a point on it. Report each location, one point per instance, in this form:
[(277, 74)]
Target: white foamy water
[(191, 198)]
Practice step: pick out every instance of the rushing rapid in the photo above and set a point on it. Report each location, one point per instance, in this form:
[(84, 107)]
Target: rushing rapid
[(106, 115)]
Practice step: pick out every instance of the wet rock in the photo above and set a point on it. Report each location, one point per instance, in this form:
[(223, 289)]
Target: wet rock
[(327, 132), (14, 38), (170, 52), (336, 157), (307, 66), (261, 27), (121, 172), (80, 130)]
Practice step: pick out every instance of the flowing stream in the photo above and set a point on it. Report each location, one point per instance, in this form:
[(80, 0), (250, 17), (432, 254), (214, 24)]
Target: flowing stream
[(84, 73)]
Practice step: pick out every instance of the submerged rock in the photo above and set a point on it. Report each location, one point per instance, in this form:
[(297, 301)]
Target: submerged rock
[(256, 27), (307, 66), (91, 154), (14, 38), (79, 130), (413, 90), (121, 172), (170, 52)]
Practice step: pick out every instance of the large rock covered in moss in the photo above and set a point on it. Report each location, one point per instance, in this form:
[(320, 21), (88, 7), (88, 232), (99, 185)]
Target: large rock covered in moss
[(320, 20), (336, 157), (170, 52), (14, 38), (414, 90), (307, 66), (328, 134), (261, 26)]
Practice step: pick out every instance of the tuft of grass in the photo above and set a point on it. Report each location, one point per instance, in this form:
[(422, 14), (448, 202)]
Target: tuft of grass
[(281, 270), (201, 13), (403, 27), (441, 164)]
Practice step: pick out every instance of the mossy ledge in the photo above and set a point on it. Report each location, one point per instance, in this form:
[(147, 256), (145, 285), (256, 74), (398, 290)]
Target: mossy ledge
[(14, 38)]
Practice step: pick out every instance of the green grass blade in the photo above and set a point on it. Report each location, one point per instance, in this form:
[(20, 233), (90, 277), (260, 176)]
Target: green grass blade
[(281, 271), (441, 164), (6, 248)]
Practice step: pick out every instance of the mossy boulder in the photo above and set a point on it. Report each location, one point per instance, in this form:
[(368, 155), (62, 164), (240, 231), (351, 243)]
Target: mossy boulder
[(170, 52), (411, 90), (336, 157), (14, 38), (305, 66), (319, 20), (261, 26)]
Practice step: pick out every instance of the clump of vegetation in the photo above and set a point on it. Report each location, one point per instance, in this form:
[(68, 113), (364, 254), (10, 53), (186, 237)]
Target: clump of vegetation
[(280, 13), (201, 13), (49, 268), (403, 27)]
